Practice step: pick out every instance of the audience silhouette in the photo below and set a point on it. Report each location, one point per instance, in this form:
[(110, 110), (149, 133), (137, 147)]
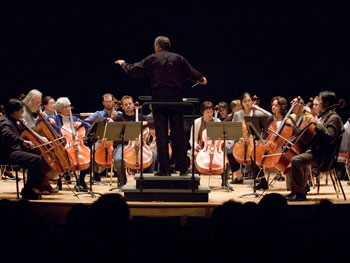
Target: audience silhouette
[(243, 231)]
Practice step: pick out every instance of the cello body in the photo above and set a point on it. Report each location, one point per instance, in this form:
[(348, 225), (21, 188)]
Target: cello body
[(209, 160), (243, 149), (42, 148), (132, 153), (269, 152), (44, 128), (79, 153), (104, 154)]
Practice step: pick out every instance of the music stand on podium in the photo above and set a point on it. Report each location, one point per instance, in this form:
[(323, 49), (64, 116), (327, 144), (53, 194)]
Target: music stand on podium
[(255, 127), (224, 131), (122, 131)]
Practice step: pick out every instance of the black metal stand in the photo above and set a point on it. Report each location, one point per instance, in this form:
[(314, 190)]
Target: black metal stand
[(224, 177), (254, 172), (92, 161), (224, 131)]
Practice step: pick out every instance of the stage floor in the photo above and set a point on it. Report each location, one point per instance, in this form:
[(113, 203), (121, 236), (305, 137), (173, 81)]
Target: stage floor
[(58, 204)]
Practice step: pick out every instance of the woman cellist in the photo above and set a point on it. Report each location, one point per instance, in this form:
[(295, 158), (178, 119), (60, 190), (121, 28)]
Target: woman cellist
[(207, 110), (279, 107), (62, 124), (209, 153), (128, 114), (234, 153)]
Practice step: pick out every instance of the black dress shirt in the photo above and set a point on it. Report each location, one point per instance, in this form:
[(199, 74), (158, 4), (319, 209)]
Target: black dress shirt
[(164, 69)]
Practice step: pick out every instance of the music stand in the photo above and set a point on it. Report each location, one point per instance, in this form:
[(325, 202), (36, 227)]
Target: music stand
[(255, 126), (224, 131), (90, 137), (122, 131)]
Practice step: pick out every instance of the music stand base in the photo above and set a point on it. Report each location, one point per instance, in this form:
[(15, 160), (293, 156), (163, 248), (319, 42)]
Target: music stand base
[(249, 194)]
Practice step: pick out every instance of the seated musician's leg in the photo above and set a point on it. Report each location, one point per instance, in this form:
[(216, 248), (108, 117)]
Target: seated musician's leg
[(118, 159), (299, 177), (33, 163)]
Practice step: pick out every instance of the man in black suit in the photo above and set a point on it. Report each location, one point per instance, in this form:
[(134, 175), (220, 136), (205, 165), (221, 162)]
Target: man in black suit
[(166, 71), (13, 149)]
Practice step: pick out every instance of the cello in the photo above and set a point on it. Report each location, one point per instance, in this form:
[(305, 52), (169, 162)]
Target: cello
[(132, 151), (301, 143), (78, 152), (43, 148), (268, 153), (209, 160), (104, 152), (242, 150), (44, 128)]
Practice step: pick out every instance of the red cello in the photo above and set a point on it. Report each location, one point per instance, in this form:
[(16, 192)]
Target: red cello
[(209, 160), (269, 152), (79, 153)]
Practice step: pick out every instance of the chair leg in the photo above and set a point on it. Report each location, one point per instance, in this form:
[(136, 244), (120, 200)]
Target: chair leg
[(17, 180), (332, 176), (318, 182)]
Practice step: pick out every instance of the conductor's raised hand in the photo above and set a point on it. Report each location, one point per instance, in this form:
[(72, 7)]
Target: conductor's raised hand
[(119, 61), (203, 81)]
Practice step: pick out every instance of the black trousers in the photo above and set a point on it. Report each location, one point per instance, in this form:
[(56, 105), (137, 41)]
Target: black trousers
[(165, 115), (31, 162), (299, 176)]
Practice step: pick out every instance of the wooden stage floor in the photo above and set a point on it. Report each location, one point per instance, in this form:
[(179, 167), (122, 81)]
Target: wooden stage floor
[(59, 204)]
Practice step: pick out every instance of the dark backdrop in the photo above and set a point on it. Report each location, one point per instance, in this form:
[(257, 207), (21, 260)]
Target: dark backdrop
[(68, 48)]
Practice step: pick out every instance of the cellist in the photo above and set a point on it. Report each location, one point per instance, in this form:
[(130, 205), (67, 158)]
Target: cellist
[(32, 103), (301, 115), (207, 110), (279, 108), (103, 115), (63, 108), (247, 109), (15, 150), (322, 147), (128, 114)]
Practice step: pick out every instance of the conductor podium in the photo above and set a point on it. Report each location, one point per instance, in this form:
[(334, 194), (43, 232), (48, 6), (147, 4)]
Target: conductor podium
[(174, 188)]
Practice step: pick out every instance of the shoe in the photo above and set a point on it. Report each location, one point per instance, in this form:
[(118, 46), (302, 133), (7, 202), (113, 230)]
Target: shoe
[(281, 179), (307, 188), (263, 185), (185, 173), (97, 177), (79, 188), (296, 197), (30, 194), (51, 190), (237, 181), (159, 173), (8, 174)]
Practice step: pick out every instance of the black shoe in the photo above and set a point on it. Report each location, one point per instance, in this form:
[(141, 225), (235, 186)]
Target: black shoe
[(263, 185), (237, 181), (97, 177), (159, 173), (296, 197), (30, 194), (185, 173), (8, 174), (307, 188)]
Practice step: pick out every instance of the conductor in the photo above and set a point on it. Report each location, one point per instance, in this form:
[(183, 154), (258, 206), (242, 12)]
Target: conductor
[(166, 71)]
